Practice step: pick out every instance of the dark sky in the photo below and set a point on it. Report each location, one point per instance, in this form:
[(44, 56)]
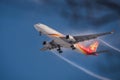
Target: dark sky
[(20, 57)]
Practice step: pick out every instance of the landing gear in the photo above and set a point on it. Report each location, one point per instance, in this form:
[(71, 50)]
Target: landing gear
[(44, 42), (72, 46), (59, 49), (40, 33)]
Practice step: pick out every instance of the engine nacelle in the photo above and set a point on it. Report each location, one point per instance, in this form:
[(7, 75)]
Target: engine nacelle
[(50, 45), (46, 44), (70, 38)]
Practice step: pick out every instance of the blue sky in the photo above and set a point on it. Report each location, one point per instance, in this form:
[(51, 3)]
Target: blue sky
[(21, 58)]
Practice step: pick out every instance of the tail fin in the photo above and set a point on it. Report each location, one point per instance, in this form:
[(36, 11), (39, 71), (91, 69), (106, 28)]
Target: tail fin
[(93, 47)]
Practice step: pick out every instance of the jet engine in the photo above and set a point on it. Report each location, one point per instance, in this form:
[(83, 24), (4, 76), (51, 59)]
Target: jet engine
[(70, 38), (50, 45), (46, 44)]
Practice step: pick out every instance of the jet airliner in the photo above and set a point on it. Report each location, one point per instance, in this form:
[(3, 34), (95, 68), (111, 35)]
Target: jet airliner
[(60, 41)]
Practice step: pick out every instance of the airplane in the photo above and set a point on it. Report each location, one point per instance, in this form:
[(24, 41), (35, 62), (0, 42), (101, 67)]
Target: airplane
[(68, 41)]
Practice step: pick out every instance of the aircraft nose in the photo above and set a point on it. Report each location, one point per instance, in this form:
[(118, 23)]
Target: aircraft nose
[(37, 27)]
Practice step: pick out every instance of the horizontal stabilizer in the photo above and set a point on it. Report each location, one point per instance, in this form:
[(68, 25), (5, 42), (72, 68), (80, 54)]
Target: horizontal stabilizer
[(103, 51)]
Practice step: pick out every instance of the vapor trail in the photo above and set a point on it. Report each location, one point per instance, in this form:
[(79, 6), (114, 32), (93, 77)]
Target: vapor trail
[(81, 68), (110, 45)]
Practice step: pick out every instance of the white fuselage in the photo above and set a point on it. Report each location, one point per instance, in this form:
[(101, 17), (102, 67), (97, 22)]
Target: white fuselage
[(49, 32)]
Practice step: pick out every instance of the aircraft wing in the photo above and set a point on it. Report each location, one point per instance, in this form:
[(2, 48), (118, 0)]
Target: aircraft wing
[(91, 36), (44, 49)]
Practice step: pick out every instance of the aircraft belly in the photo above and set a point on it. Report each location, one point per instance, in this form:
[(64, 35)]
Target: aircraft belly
[(62, 43)]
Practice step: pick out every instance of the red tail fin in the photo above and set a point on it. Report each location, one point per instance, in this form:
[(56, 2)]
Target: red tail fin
[(93, 47)]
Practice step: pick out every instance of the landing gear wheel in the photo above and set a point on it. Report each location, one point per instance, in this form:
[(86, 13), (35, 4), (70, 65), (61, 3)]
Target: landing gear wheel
[(40, 33), (60, 51), (72, 46), (44, 42)]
